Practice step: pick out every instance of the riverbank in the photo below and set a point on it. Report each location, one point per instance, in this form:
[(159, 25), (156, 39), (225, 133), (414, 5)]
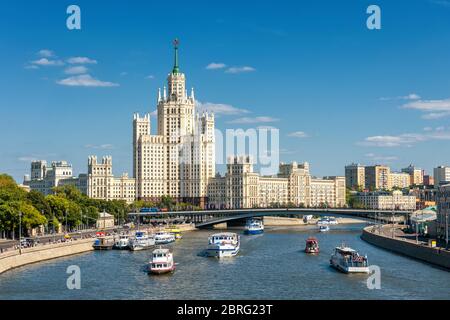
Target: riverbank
[(406, 247), (283, 221), (14, 259)]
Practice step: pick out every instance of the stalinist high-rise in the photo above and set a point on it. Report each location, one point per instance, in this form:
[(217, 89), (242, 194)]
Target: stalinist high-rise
[(179, 160)]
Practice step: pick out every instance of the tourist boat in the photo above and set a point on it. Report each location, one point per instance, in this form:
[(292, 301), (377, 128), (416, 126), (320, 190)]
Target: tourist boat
[(141, 241), (312, 245), (103, 243), (324, 228), (223, 245), (122, 243), (348, 260), (332, 220), (163, 237), (254, 226), (175, 231), (161, 262)]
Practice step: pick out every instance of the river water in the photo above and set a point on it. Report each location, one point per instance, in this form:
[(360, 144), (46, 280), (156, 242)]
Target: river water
[(269, 266)]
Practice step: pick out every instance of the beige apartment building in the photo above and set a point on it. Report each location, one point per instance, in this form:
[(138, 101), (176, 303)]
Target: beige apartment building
[(103, 185), (355, 176), (377, 177), (399, 180), (383, 200), (415, 174), (241, 187)]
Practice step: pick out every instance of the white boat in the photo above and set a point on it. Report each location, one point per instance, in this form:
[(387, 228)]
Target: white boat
[(254, 226), (161, 262), (332, 220), (163, 237), (224, 244), (323, 221), (348, 260), (324, 228), (141, 241), (122, 243)]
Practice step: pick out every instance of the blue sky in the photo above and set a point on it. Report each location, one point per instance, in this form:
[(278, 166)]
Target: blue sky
[(338, 92)]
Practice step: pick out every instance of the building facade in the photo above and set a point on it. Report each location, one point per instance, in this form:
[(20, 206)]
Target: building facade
[(441, 176), (242, 188), (103, 185), (45, 177), (179, 160), (443, 212), (377, 177), (383, 200), (355, 176), (415, 174), (399, 180)]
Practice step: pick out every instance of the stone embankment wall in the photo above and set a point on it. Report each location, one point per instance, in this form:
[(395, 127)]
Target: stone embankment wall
[(408, 248), (13, 259)]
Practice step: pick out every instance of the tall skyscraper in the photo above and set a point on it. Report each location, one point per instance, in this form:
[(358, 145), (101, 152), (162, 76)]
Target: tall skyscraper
[(180, 159)]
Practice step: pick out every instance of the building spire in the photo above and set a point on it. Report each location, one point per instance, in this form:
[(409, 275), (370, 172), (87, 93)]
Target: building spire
[(176, 68)]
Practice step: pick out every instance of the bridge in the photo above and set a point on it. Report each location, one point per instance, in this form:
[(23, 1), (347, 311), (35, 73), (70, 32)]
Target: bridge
[(209, 218)]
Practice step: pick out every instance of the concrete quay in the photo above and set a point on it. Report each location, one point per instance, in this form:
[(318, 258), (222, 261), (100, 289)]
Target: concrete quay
[(407, 247)]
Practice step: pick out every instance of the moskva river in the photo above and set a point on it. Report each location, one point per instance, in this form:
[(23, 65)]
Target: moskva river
[(269, 266)]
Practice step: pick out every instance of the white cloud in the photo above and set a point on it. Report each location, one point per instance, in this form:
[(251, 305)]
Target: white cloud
[(76, 70), (411, 96), (248, 120), (46, 53), (31, 67), (298, 134), (219, 108), (85, 80), (154, 113), (235, 70), (27, 159), (407, 140), (215, 66), (376, 157), (150, 77), (81, 60), (105, 146), (44, 62), (433, 109)]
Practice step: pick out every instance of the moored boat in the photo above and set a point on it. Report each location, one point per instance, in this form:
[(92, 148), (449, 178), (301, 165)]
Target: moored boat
[(254, 226), (312, 245), (161, 261), (103, 243), (348, 260), (224, 244), (175, 231), (163, 237), (122, 243), (324, 228), (141, 241)]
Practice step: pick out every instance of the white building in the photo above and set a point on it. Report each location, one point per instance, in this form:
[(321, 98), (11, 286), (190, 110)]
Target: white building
[(179, 160), (400, 180), (44, 178), (382, 200)]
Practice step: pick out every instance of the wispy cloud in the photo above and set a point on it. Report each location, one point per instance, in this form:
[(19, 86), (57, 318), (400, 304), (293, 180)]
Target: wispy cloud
[(215, 66), (298, 134), (219, 108), (433, 109), (76, 70), (411, 96), (85, 80), (377, 157), (406, 140), (45, 62), (151, 77), (46, 53), (250, 120), (235, 70), (444, 3), (81, 60), (27, 159), (106, 146)]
